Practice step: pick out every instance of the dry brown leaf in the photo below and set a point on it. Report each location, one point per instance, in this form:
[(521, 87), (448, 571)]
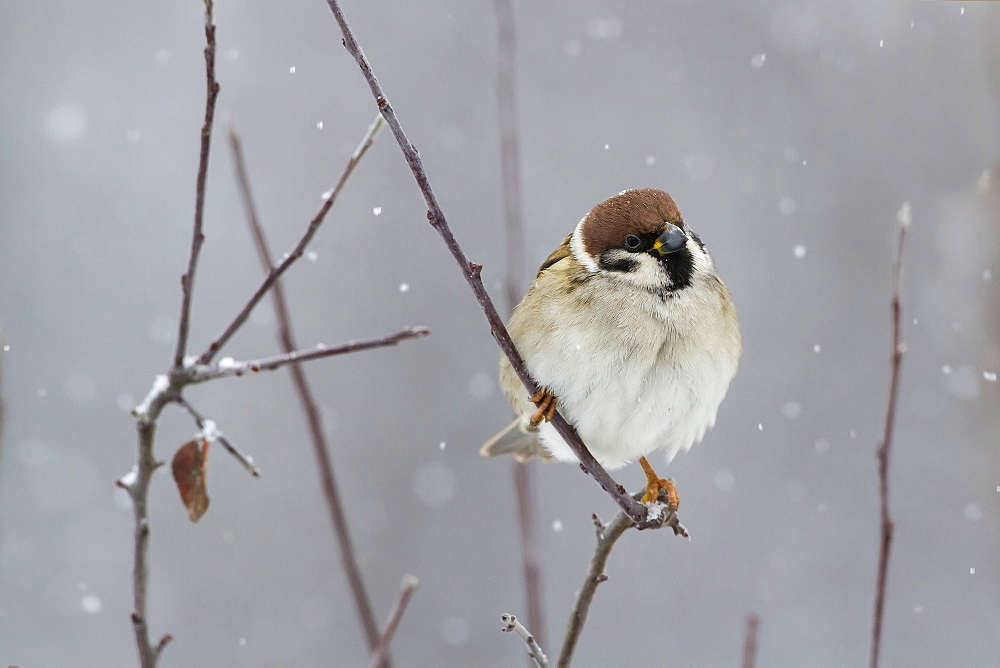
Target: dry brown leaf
[(190, 468)]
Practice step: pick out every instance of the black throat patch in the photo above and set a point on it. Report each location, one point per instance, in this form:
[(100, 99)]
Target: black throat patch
[(680, 268)]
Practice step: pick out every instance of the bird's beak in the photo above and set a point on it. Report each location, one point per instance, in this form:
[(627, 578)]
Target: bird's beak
[(671, 241)]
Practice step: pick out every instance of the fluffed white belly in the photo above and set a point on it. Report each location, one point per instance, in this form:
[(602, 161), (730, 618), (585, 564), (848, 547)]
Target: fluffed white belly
[(632, 380)]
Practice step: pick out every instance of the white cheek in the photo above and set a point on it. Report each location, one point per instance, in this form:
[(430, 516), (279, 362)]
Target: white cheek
[(702, 260), (579, 252)]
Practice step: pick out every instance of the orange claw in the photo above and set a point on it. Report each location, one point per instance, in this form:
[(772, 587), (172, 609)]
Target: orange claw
[(546, 403), (655, 486)]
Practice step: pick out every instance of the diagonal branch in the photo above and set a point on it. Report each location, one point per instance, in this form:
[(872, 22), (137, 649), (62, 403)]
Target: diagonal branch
[(210, 432), (227, 368), (512, 625), (896, 365), (607, 535), (286, 338), (275, 272), (198, 238), (381, 651), (471, 271)]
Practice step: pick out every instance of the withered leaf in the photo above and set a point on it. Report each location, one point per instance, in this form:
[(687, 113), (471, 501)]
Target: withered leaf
[(190, 468)]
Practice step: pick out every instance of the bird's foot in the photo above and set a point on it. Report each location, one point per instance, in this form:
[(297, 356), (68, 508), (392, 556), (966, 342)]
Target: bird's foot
[(546, 403), (657, 486)]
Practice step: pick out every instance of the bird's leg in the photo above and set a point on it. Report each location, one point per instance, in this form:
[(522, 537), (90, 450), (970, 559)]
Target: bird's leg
[(655, 485), (546, 403)]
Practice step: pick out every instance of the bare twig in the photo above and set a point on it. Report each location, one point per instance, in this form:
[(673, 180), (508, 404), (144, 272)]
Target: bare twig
[(198, 238), (607, 535), (227, 368), (136, 483), (509, 152), (211, 433), (165, 390), (534, 648), (275, 273), (884, 448), (3, 349), (514, 234), (750, 641), (310, 407), (380, 653), (471, 270)]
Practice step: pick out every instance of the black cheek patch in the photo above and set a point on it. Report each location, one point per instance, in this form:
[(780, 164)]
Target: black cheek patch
[(615, 262)]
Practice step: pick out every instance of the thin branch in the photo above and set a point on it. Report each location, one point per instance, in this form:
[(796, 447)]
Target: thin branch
[(275, 273), (310, 407), (884, 449), (514, 235), (750, 641), (136, 483), (534, 648), (164, 390), (380, 653), (198, 238), (471, 270), (211, 433), (226, 368), (509, 152), (607, 535)]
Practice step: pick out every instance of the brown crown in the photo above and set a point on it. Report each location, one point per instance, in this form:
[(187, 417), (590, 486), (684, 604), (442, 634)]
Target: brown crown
[(632, 212)]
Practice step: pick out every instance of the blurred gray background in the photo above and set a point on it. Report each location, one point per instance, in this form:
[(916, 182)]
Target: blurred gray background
[(788, 132)]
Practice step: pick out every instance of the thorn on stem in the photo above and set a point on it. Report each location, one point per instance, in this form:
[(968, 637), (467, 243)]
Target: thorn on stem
[(601, 578), (583, 468)]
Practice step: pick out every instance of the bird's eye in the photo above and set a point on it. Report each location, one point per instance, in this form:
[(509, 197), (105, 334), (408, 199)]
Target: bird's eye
[(632, 242)]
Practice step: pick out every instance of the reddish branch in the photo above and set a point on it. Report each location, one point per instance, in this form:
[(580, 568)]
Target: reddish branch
[(137, 482), (276, 271), (471, 271), (200, 373), (607, 535), (750, 642), (514, 234), (310, 407), (198, 238), (884, 449), (380, 657)]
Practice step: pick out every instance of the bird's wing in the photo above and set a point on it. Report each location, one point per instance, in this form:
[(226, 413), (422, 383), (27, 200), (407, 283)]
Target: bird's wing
[(558, 254)]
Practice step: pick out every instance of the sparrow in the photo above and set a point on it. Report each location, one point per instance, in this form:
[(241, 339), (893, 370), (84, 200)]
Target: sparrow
[(630, 333)]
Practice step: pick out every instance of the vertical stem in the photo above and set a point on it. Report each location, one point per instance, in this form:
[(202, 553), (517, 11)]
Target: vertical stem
[(197, 237), (884, 449), (514, 236)]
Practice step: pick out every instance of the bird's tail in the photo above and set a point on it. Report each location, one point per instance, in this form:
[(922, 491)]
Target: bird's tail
[(515, 441)]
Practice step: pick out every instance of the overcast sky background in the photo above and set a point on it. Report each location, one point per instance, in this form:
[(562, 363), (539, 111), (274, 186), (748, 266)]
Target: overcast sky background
[(789, 134)]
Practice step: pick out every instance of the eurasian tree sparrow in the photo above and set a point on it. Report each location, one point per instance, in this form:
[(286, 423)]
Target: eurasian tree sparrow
[(628, 326)]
